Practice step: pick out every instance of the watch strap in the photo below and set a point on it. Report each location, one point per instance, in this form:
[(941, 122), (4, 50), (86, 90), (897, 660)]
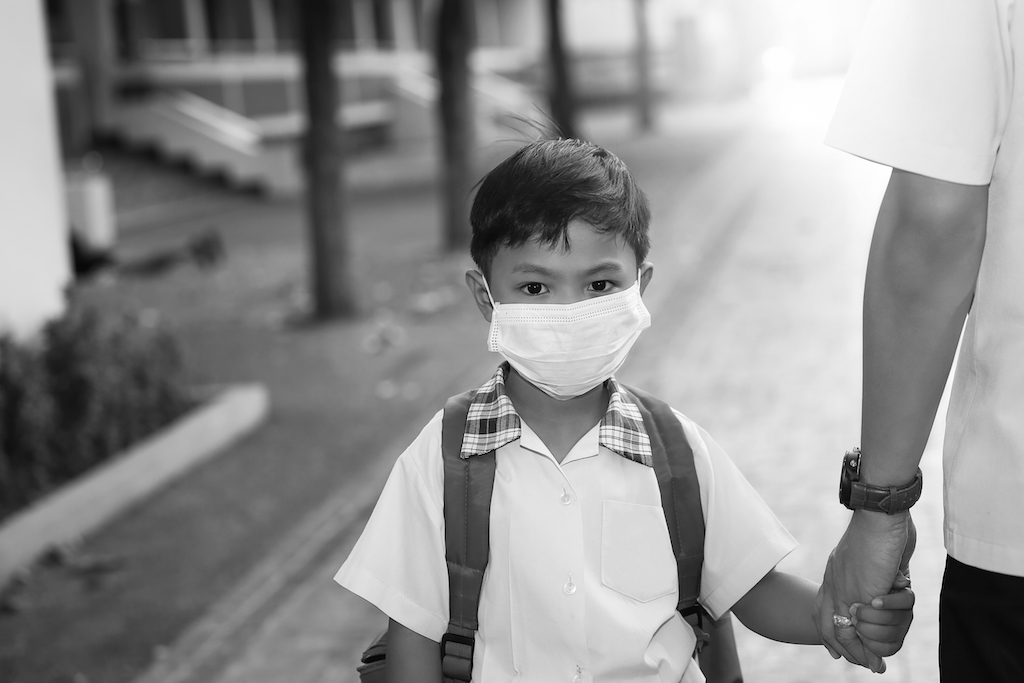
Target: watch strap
[(857, 495), (887, 499)]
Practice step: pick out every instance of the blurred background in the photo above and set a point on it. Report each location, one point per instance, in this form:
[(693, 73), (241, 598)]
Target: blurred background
[(123, 92), (232, 247)]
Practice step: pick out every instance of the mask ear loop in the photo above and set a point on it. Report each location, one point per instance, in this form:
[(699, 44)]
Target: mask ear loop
[(488, 290), (492, 333)]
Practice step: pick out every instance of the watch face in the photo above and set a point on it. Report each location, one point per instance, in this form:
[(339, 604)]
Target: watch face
[(850, 474), (845, 486)]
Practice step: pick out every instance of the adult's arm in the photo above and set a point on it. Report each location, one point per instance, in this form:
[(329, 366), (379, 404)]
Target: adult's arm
[(921, 275)]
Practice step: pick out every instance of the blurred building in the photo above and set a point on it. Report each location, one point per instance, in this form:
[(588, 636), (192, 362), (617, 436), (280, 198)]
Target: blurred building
[(217, 84)]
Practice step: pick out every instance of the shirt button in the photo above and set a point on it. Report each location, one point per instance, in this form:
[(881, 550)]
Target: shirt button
[(577, 679), (569, 588), (566, 499)]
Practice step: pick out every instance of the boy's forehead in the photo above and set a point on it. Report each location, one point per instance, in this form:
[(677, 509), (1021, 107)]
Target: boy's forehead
[(583, 246)]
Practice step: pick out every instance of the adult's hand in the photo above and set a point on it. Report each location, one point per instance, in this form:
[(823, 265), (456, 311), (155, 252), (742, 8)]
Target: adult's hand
[(863, 566)]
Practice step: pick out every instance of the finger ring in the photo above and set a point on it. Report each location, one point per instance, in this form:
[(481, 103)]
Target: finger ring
[(841, 622)]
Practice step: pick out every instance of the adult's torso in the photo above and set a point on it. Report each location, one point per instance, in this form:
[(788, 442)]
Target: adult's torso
[(983, 464)]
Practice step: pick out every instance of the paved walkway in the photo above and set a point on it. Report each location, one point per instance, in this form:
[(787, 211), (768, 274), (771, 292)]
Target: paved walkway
[(756, 307)]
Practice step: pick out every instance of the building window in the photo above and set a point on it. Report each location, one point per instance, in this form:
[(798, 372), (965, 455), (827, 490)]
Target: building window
[(230, 24)]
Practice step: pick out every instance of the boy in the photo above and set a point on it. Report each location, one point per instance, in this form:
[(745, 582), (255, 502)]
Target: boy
[(581, 582)]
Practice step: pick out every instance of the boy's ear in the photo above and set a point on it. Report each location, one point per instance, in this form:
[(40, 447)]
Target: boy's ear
[(475, 281), (646, 273)]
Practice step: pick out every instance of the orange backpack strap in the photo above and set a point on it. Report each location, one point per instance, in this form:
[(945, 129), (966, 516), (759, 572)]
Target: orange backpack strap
[(468, 483)]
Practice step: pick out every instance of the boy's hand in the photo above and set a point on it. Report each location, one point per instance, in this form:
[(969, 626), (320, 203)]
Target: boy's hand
[(884, 623)]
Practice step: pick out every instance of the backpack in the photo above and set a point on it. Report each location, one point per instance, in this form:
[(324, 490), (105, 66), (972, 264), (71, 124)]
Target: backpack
[(467, 502)]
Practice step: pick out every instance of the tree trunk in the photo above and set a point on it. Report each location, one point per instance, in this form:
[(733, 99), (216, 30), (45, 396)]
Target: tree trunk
[(563, 104), (455, 38), (332, 290), (644, 93), (95, 36)]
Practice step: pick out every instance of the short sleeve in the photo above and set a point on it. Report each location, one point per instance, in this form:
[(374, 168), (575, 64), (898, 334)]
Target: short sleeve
[(743, 539), (929, 88), (398, 563)]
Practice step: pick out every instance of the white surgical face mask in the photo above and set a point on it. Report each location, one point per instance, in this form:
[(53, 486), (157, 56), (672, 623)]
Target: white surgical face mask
[(568, 349)]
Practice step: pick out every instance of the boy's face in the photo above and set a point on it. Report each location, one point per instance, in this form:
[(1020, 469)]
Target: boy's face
[(596, 264)]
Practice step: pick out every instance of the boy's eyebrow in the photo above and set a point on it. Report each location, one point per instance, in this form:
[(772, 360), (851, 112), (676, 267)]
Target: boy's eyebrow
[(535, 269), (604, 266)]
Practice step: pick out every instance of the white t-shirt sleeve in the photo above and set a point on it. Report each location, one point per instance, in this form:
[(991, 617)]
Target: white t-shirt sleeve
[(743, 539), (398, 563), (929, 88)]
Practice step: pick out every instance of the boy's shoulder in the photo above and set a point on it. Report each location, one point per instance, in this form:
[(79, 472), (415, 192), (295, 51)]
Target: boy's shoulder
[(427, 444), (648, 399), (692, 430), (425, 448)]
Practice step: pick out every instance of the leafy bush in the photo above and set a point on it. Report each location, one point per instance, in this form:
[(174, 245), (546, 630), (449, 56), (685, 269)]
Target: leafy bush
[(89, 386)]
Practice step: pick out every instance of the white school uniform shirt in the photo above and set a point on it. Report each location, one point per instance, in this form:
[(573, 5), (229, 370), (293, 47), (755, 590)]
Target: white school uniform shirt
[(937, 88), (581, 583)]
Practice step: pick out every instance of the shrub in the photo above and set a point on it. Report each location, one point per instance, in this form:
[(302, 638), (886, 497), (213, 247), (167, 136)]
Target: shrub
[(89, 386)]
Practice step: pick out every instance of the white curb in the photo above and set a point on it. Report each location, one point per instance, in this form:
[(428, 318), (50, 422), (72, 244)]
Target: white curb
[(87, 502)]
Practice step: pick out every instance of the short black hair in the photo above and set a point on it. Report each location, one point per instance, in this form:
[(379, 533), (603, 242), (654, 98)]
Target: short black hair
[(540, 188)]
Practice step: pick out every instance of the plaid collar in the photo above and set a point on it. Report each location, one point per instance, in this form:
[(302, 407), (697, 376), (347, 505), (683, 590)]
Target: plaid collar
[(493, 422)]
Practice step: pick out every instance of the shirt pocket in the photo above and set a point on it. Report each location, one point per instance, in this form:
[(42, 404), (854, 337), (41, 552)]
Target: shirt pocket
[(636, 553)]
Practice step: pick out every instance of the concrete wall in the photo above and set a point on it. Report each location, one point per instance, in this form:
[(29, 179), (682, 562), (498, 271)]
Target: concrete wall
[(34, 262)]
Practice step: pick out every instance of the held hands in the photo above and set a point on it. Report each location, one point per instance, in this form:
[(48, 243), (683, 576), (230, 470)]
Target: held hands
[(884, 623), (873, 552)]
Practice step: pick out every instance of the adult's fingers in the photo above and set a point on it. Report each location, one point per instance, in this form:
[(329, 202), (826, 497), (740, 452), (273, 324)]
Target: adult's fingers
[(858, 653), (840, 642), (908, 549), (823, 622)]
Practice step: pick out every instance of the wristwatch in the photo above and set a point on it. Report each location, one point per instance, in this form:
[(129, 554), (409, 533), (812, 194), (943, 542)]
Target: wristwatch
[(888, 499)]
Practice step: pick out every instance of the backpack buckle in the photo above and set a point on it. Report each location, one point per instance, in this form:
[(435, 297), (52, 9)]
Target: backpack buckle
[(694, 616), (457, 656)]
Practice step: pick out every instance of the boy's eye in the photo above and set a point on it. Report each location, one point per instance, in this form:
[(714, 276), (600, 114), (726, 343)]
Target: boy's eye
[(533, 288), (600, 285)]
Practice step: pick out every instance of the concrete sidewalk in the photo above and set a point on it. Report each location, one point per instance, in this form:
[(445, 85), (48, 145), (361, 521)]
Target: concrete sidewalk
[(756, 308)]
